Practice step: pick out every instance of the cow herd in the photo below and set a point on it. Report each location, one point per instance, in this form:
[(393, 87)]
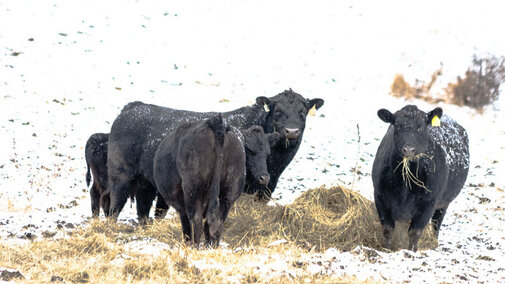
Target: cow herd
[(200, 162)]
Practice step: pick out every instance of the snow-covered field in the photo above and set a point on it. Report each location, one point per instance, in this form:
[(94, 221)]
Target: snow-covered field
[(68, 67)]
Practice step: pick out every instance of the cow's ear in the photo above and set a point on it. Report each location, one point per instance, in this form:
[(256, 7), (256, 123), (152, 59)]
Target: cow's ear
[(437, 112), (318, 103), (263, 102), (273, 138), (386, 116)]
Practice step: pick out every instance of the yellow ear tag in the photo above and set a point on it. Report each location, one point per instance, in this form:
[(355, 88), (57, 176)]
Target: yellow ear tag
[(312, 111), (265, 106), (435, 122)]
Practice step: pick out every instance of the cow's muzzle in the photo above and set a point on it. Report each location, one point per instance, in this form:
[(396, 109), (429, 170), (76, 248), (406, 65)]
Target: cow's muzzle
[(264, 179), (291, 133), (408, 151)]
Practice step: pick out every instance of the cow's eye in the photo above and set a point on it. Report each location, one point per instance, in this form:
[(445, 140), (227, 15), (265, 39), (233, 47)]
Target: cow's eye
[(249, 152)]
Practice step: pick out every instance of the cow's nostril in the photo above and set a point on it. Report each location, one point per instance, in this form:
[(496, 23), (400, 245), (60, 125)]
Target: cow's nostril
[(291, 132), (264, 179), (409, 151)]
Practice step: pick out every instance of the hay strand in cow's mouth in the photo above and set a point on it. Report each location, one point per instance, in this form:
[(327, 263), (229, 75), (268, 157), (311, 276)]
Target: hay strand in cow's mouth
[(408, 176)]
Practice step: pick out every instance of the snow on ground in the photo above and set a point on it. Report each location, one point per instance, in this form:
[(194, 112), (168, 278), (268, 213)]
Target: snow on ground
[(68, 67)]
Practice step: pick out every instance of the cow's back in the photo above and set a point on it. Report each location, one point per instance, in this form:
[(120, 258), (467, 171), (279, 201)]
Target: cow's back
[(137, 132), (453, 140)]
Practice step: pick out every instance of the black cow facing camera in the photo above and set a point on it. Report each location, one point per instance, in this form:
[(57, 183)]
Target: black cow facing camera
[(200, 170), (285, 113), (420, 167)]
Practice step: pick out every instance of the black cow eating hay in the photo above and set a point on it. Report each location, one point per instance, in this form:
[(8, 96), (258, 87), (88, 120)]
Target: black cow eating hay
[(200, 170), (420, 167)]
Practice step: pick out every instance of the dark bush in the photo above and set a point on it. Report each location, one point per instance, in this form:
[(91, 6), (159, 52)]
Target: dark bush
[(481, 84)]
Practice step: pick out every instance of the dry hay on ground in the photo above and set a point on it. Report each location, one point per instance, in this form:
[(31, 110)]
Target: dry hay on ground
[(318, 219), (104, 251)]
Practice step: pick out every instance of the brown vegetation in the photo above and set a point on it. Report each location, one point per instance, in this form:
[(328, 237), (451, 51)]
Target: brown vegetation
[(102, 251), (479, 87), (481, 84), (420, 90)]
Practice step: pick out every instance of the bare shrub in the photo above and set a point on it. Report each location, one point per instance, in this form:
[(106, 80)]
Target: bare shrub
[(420, 90), (481, 84)]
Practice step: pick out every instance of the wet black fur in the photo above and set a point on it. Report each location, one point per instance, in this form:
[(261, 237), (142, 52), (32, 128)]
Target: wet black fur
[(95, 154), (199, 169), (397, 202), (140, 128)]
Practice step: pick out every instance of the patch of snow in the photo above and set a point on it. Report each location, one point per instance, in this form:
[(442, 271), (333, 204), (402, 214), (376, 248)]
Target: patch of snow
[(70, 74)]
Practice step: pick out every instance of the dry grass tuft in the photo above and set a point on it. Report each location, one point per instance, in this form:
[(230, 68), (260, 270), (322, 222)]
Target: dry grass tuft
[(402, 89), (107, 252)]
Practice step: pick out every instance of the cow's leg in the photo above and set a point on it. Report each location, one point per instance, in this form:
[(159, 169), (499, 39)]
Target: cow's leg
[(119, 189), (186, 226), (105, 204), (95, 200), (194, 209), (161, 207), (145, 196), (195, 213), (206, 232), (417, 224), (387, 222), (437, 219), (180, 207)]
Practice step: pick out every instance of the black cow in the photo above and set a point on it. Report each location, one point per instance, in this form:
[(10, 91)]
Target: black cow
[(419, 169), (95, 154), (257, 146), (199, 169), (140, 128)]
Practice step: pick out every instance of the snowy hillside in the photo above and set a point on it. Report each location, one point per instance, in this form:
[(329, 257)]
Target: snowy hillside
[(68, 67)]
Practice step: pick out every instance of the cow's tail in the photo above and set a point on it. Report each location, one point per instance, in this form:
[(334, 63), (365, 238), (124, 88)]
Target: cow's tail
[(88, 174), (219, 127)]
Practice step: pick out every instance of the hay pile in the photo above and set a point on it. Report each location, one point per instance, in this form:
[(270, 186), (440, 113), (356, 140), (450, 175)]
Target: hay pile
[(318, 219)]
